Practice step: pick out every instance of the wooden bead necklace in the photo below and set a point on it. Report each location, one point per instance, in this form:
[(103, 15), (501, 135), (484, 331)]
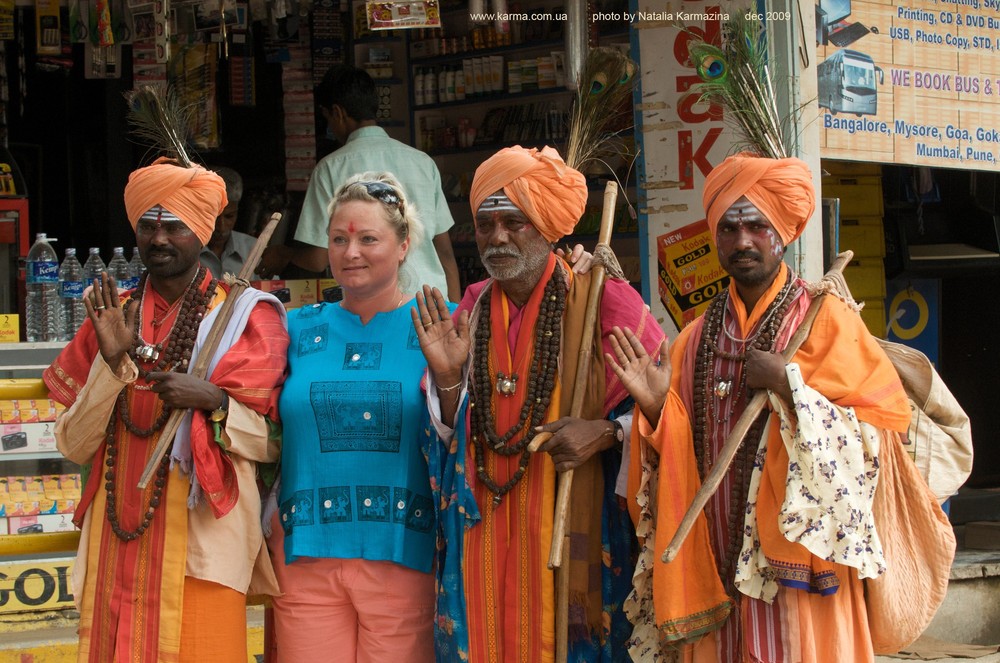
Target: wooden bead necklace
[(173, 354), (540, 385), (707, 402), (110, 455)]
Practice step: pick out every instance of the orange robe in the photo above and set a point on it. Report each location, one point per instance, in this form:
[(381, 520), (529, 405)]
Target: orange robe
[(133, 593), (842, 362)]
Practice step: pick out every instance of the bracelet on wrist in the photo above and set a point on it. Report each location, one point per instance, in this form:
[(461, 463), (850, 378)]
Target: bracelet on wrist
[(452, 387)]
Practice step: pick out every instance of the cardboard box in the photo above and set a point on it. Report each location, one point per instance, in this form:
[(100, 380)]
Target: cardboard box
[(857, 199), (864, 236), (866, 279), (26, 438), (873, 315), (294, 293), (327, 290), (55, 522), (851, 167)]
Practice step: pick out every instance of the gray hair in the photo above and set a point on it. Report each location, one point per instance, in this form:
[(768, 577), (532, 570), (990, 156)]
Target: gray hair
[(234, 183)]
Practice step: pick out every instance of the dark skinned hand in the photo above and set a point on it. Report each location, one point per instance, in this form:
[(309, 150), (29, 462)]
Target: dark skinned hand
[(766, 370), (646, 378), (182, 390), (575, 440), (113, 326)]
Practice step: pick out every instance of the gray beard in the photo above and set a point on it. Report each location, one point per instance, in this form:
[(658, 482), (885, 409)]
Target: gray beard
[(527, 265)]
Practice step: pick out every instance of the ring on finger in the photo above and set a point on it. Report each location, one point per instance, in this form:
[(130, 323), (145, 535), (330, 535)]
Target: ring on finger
[(100, 308)]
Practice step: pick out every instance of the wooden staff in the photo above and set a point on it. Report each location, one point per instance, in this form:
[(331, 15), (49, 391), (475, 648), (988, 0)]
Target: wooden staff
[(742, 426), (559, 552), (200, 367)]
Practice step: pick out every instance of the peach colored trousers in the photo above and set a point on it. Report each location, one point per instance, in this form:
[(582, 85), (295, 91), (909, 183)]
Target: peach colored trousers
[(350, 610)]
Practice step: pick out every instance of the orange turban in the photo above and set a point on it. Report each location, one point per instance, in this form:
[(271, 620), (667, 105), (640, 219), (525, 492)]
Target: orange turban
[(782, 189), (194, 195), (550, 193)]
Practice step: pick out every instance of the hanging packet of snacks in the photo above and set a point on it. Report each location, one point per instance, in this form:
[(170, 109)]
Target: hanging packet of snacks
[(403, 14), (47, 28), (6, 20)]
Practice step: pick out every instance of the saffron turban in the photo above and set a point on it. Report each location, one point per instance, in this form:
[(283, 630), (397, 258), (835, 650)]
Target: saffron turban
[(782, 189), (551, 194), (194, 195)]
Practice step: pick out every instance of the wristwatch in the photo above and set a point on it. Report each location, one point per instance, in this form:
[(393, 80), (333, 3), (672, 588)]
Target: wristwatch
[(220, 413), (619, 433)]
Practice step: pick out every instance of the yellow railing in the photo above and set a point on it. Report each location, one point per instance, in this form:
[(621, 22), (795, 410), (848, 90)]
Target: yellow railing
[(25, 544)]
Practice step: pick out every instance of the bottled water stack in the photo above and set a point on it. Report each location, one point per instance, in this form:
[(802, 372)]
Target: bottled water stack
[(43, 309), (136, 266), (119, 271), (93, 267), (71, 291)]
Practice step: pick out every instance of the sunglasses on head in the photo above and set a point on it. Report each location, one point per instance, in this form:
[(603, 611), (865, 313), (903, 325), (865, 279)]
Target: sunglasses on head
[(384, 193)]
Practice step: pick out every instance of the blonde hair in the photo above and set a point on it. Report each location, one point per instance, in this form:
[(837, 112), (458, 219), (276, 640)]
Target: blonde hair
[(403, 218)]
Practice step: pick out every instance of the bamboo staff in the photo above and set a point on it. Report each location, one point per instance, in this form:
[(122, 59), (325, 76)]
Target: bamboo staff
[(742, 426), (559, 552), (200, 367)]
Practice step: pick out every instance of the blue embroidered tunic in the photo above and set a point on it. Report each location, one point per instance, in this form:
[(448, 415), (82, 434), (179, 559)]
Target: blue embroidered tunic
[(354, 484)]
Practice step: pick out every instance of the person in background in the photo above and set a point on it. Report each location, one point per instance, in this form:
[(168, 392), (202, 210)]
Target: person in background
[(502, 372), (162, 573), (348, 101), (227, 249), (353, 539)]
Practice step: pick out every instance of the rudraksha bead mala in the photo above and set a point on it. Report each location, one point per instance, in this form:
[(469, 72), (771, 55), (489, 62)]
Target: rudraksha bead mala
[(540, 384)]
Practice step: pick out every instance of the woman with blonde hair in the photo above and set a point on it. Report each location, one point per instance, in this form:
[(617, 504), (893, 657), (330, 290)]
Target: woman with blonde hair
[(355, 546)]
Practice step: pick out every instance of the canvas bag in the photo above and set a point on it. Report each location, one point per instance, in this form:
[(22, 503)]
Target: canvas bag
[(940, 435), (919, 547), (917, 539)]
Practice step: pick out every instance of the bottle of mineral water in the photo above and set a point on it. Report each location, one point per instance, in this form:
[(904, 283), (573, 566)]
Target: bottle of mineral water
[(119, 271), (93, 267), (135, 266), (71, 293), (43, 309)]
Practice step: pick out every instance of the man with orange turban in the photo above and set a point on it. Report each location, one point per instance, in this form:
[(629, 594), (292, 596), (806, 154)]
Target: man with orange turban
[(162, 573), (772, 570), (496, 499)]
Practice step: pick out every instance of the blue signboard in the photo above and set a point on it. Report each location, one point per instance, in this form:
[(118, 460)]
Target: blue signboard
[(913, 308)]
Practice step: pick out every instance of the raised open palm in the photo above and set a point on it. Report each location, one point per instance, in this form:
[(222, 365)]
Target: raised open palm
[(444, 343), (113, 326), (646, 378)]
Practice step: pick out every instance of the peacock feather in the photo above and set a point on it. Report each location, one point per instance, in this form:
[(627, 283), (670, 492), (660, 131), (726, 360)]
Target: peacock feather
[(159, 121), (737, 77), (600, 106)]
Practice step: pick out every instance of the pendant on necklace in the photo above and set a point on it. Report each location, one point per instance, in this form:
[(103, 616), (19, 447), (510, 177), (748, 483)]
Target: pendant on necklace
[(723, 388), (506, 386), (496, 500), (147, 352)]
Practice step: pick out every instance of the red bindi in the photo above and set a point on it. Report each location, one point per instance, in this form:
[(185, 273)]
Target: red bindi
[(350, 227)]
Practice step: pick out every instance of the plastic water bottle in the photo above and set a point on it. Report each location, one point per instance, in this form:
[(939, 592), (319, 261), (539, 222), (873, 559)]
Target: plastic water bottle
[(119, 271), (43, 308), (93, 267), (135, 266), (71, 292)]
